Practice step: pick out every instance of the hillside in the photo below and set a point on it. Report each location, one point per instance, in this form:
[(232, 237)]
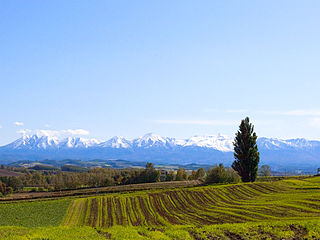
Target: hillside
[(198, 206), (283, 209), (7, 173)]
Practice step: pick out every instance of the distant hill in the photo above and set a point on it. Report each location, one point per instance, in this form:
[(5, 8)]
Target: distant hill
[(7, 173), (79, 166), (281, 155)]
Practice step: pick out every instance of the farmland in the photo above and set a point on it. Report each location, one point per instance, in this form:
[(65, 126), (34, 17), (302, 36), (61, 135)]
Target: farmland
[(283, 209), (33, 214), (100, 190), (203, 205)]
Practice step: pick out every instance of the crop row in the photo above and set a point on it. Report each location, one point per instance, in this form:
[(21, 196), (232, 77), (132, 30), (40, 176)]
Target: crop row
[(197, 206)]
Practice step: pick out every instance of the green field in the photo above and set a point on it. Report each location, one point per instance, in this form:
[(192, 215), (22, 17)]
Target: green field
[(283, 209), (33, 214), (302, 229)]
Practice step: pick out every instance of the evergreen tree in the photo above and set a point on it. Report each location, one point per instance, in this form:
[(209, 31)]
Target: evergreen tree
[(246, 152)]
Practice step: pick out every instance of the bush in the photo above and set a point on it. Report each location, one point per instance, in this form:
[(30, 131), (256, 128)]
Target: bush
[(197, 175), (5, 190), (33, 189), (220, 174), (9, 190), (181, 175), (200, 174), (265, 171), (150, 174)]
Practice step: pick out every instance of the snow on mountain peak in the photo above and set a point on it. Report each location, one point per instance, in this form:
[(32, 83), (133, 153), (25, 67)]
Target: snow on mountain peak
[(275, 143), (116, 142), (151, 139), (220, 142), (38, 141), (78, 142)]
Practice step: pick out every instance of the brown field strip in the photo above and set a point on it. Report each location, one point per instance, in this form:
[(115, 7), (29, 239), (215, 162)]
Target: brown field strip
[(100, 190)]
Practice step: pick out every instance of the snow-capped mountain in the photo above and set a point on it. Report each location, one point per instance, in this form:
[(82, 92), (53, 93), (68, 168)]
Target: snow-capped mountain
[(280, 144), (152, 140), (218, 142), (38, 142), (78, 142), (208, 149), (116, 142), (221, 142)]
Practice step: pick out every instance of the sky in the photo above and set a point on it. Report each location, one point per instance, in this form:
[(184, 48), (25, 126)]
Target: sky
[(174, 68)]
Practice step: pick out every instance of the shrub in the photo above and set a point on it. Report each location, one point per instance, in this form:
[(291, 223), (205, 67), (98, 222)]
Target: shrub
[(181, 175), (220, 174), (5, 190), (265, 171), (150, 174), (200, 174)]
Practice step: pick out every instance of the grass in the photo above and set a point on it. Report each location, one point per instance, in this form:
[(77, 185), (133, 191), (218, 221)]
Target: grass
[(286, 209), (33, 214), (34, 189), (49, 233), (264, 230), (305, 229)]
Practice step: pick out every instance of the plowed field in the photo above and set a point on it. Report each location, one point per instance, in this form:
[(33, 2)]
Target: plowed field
[(264, 201)]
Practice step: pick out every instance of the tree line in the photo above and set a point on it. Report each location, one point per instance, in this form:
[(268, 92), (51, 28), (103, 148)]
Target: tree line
[(55, 180)]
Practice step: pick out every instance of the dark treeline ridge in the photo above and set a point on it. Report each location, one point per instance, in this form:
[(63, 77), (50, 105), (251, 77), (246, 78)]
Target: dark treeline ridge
[(47, 179)]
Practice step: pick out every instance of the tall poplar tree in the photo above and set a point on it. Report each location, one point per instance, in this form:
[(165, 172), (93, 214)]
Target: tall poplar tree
[(246, 152)]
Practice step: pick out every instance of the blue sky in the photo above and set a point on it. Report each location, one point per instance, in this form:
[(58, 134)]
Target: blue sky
[(175, 68)]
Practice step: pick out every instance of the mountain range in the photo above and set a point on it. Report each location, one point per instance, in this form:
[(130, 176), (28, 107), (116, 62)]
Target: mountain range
[(292, 154)]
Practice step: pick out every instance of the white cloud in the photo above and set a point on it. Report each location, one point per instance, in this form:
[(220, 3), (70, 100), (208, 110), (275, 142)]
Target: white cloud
[(198, 122), (77, 132), (24, 131), (237, 111), (49, 133), (212, 110), (0, 126), (47, 125), (54, 133), (18, 123), (303, 113), (315, 122), (66, 132), (270, 112), (297, 112)]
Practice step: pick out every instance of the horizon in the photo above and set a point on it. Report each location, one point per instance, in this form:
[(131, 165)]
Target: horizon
[(175, 68)]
